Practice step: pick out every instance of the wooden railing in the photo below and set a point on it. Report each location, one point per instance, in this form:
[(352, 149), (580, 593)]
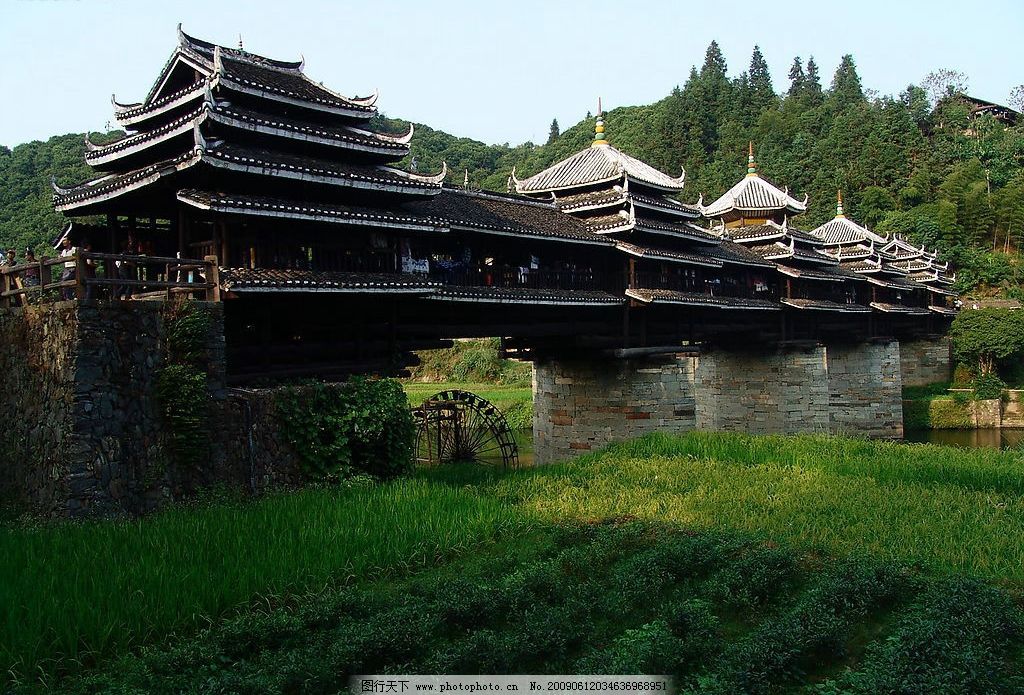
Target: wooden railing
[(109, 276)]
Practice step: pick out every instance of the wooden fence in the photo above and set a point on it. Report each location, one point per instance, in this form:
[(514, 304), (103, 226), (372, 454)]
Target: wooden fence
[(109, 276)]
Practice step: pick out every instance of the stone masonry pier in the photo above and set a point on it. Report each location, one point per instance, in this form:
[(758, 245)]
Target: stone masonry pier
[(581, 405)]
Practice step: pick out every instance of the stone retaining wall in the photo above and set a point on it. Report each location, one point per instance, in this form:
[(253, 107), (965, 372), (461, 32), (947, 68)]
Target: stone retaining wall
[(80, 423)]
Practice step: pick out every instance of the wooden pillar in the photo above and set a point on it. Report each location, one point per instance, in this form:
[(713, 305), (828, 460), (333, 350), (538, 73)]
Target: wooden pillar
[(212, 277), (4, 288), (632, 273), (789, 288), (224, 248), (80, 275)]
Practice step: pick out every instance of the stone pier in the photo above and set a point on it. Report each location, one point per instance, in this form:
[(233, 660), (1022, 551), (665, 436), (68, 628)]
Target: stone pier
[(852, 389), (583, 405), (926, 361)]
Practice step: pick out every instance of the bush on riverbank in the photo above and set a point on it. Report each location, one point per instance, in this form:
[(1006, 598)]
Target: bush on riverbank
[(476, 361)]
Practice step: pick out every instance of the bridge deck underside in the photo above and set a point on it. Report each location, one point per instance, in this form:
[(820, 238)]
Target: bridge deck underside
[(332, 335)]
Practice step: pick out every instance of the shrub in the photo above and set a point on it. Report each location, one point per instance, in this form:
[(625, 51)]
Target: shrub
[(988, 386), (363, 426)]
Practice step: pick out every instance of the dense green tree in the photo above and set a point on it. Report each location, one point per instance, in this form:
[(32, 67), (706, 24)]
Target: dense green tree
[(846, 88), (554, 131), (986, 336), (797, 79)]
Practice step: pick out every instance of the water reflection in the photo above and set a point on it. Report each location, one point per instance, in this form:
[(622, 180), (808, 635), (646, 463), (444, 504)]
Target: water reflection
[(990, 438)]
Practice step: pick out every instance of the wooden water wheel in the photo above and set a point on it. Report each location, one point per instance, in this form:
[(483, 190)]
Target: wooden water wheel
[(459, 426)]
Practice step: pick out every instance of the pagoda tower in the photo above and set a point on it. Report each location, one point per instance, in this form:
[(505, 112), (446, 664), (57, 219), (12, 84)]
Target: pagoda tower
[(905, 279), (667, 258), (756, 214), (229, 132)]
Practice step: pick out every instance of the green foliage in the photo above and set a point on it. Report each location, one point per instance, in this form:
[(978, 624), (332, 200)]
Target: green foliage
[(179, 569), (337, 431), (472, 361), (842, 626), (988, 386), (986, 336), (515, 402)]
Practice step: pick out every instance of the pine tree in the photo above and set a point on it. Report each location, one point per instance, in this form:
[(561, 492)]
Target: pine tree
[(846, 88), (762, 92), (812, 82), (714, 68), (797, 80), (554, 132)]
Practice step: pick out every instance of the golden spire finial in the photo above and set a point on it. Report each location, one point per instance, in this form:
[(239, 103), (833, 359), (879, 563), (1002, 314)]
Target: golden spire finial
[(751, 167), (599, 138), (839, 203)]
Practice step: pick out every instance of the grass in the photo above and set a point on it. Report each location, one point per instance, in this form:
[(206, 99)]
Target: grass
[(755, 564), (515, 402), (954, 511), (71, 592), (720, 612)]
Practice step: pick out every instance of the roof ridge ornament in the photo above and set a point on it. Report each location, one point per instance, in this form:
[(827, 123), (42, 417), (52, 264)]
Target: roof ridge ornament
[(751, 166), (839, 204), (200, 147), (218, 62), (599, 137), (57, 188)]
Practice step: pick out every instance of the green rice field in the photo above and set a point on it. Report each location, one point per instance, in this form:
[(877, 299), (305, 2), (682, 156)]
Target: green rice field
[(740, 564)]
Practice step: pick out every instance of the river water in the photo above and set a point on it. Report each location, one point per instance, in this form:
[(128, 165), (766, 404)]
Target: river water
[(989, 438)]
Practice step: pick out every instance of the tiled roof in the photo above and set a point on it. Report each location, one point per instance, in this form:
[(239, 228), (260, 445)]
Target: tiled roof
[(240, 70), (114, 185), (843, 230), (606, 224), (660, 254), (900, 249), (96, 156), (666, 204), (755, 232), (849, 252), (596, 164), (686, 230), (291, 84), (263, 206), (506, 214), (771, 251), (737, 254), (697, 299), (753, 193), (826, 305), (893, 283), (339, 136), (523, 295), (591, 200), (807, 274), (899, 309), (813, 256), (306, 168), (943, 310), (861, 266), (266, 280)]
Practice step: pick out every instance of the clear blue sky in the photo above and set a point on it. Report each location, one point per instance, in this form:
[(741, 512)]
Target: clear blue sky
[(494, 71)]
